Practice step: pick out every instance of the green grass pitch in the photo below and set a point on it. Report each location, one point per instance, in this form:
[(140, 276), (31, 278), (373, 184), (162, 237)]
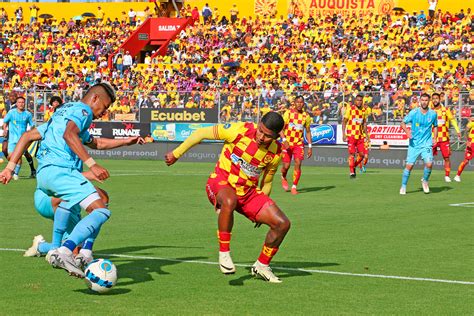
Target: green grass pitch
[(162, 238)]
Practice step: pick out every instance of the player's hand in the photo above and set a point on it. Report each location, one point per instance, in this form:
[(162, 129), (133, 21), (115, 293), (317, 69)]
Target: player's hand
[(344, 138), (285, 145), (409, 134), (459, 136), (89, 175), (5, 176), (310, 153), (170, 158), (134, 140), (100, 172)]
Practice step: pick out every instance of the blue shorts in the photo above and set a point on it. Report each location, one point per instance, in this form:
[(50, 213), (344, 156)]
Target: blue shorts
[(44, 207), (65, 183), (11, 147), (414, 152)]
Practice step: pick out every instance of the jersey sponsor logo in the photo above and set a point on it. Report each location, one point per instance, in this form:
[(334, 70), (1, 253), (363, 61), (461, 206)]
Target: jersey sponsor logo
[(227, 126), (298, 127), (357, 120), (247, 168), (322, 132)]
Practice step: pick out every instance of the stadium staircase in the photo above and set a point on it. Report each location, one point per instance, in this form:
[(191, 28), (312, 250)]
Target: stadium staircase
[(154, 34)]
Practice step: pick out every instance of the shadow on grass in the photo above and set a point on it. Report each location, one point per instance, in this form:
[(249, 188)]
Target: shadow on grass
[(129, 249), (312, 189), (433, 189), (139, 270), (285, 269), (114, 291)]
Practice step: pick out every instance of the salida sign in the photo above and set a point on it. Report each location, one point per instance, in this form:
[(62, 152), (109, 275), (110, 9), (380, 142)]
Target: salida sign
[(165, 28), (118, 130)]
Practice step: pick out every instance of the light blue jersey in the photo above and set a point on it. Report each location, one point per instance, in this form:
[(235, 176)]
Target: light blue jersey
[(421, 127), (53, 149), (17, 124)]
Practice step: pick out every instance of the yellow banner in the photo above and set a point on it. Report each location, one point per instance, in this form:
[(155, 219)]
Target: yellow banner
[(324, 7)]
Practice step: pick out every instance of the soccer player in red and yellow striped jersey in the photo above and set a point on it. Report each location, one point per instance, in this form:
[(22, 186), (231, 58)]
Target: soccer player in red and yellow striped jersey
[(445, 117), (251, 154), (469, 149), (354, 127), (296, 121)]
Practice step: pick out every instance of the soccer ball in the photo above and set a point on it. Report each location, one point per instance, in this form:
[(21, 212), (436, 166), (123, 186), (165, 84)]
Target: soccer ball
[(101, 275)]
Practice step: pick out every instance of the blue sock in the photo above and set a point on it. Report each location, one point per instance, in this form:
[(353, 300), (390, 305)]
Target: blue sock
[(44, 247), (17, 169), (406, 175), (88, 227), (61, 219), (89, 243), (426, 173)]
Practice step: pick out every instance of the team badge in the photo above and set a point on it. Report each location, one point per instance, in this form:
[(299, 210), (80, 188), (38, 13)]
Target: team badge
[(267, 158), (84, 112)]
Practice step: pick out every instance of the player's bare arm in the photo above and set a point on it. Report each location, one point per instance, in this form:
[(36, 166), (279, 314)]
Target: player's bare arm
[(25, 140), (344, 124), (406, 130), (71, 136), (309, 140), (108, 143), (435, 135)]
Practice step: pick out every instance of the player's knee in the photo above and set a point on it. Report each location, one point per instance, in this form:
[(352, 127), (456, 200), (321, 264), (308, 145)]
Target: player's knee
[(228, 203), (283, 225), (104, 211)]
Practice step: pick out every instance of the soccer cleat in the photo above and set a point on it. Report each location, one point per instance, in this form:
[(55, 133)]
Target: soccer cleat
[(457, 178), (284, 184), (362, 169), (403, 190), (225, 263), (293, 191), (264, 272), (33, 175), (447, 179), (15, 177), (426, 187), (60, 260), (33, 250), (352, 176), (82, 260)]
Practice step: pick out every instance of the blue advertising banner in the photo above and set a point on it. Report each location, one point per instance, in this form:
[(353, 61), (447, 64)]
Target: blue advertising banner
[(174, 132), (322, 134)]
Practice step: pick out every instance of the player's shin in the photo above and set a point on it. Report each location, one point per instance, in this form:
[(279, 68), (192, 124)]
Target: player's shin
[(87, 227), (224, 240), (426, 173), (405, 177), (17, 169), (462, 166), (447, 168), (60, 223), (351, 164), (267, 253), (296, 177)]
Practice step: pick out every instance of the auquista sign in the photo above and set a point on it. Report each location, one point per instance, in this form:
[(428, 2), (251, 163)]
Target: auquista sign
[(184, 116)]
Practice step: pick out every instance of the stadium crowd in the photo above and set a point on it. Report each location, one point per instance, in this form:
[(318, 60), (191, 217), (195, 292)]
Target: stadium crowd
[(248, 63)]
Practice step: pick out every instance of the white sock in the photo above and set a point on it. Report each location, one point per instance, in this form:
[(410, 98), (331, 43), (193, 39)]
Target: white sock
[(64, 250), (86, 252), (293, 186)]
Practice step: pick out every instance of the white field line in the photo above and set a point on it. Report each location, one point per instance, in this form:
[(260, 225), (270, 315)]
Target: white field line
[(364, 275), (467, 204)]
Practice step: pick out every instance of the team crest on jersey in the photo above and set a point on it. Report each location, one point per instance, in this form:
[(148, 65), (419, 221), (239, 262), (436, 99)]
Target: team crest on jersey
[(84, 112), (268, 158)]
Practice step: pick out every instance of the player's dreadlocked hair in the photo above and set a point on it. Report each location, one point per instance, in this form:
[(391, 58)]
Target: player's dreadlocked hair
[(274, 122)]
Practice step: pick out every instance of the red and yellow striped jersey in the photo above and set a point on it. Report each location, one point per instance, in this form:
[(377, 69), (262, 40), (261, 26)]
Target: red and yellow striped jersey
[(355, 118), (242, 161), (470, 128), (295, 123), (444, 118)]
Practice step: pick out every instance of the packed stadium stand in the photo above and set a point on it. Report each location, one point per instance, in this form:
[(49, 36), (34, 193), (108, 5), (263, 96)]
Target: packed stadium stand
[(245, 66)]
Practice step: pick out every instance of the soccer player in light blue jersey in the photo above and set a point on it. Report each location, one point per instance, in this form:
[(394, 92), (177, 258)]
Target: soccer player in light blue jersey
[(15, 124), (60, 160), (422, 136)]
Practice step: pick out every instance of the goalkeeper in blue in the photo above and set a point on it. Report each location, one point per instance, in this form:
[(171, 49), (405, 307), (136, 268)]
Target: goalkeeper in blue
[(60, 161), (422, 136)]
